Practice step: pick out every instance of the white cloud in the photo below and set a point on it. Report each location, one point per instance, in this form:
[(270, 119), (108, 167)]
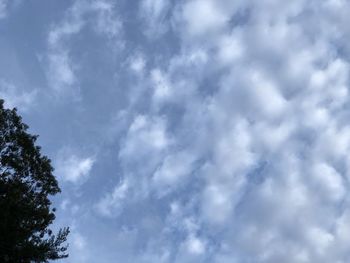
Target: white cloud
[(3, 8), (195, 245), (327, 179), (107, 22), (145, 135), (79, 241), (153, 13), (61, 72), (7, 6), (230, 48), (137, 63), (162, 88), (174, 169), (260, 104), (178, 83), (15, 97), (203, 17), (146, 138), (62, 68), (72, 168), (112, 203)]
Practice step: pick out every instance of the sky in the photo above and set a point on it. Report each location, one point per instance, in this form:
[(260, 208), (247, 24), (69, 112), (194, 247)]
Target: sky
[(188, 130)]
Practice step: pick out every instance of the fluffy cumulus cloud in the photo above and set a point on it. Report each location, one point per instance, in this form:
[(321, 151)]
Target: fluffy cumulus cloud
[(246, 134)]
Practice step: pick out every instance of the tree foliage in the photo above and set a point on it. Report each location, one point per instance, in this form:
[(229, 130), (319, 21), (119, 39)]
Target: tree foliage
[(26, 183)]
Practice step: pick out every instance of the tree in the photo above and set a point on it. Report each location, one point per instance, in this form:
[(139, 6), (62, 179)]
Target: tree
[(26, 183)]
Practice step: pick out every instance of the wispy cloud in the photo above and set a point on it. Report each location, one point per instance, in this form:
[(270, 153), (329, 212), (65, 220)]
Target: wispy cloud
[(3, 8), (62, 67), (154, 13), (15, 97)]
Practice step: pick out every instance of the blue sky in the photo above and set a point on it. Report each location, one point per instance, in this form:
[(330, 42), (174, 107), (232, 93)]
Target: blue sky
[(189, 131)]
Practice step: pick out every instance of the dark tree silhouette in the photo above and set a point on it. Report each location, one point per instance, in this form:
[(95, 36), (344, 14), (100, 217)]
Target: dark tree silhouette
[(26, 182)]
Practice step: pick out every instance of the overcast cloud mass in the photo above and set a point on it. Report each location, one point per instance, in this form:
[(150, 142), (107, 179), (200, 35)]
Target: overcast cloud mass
[(190, 130)]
